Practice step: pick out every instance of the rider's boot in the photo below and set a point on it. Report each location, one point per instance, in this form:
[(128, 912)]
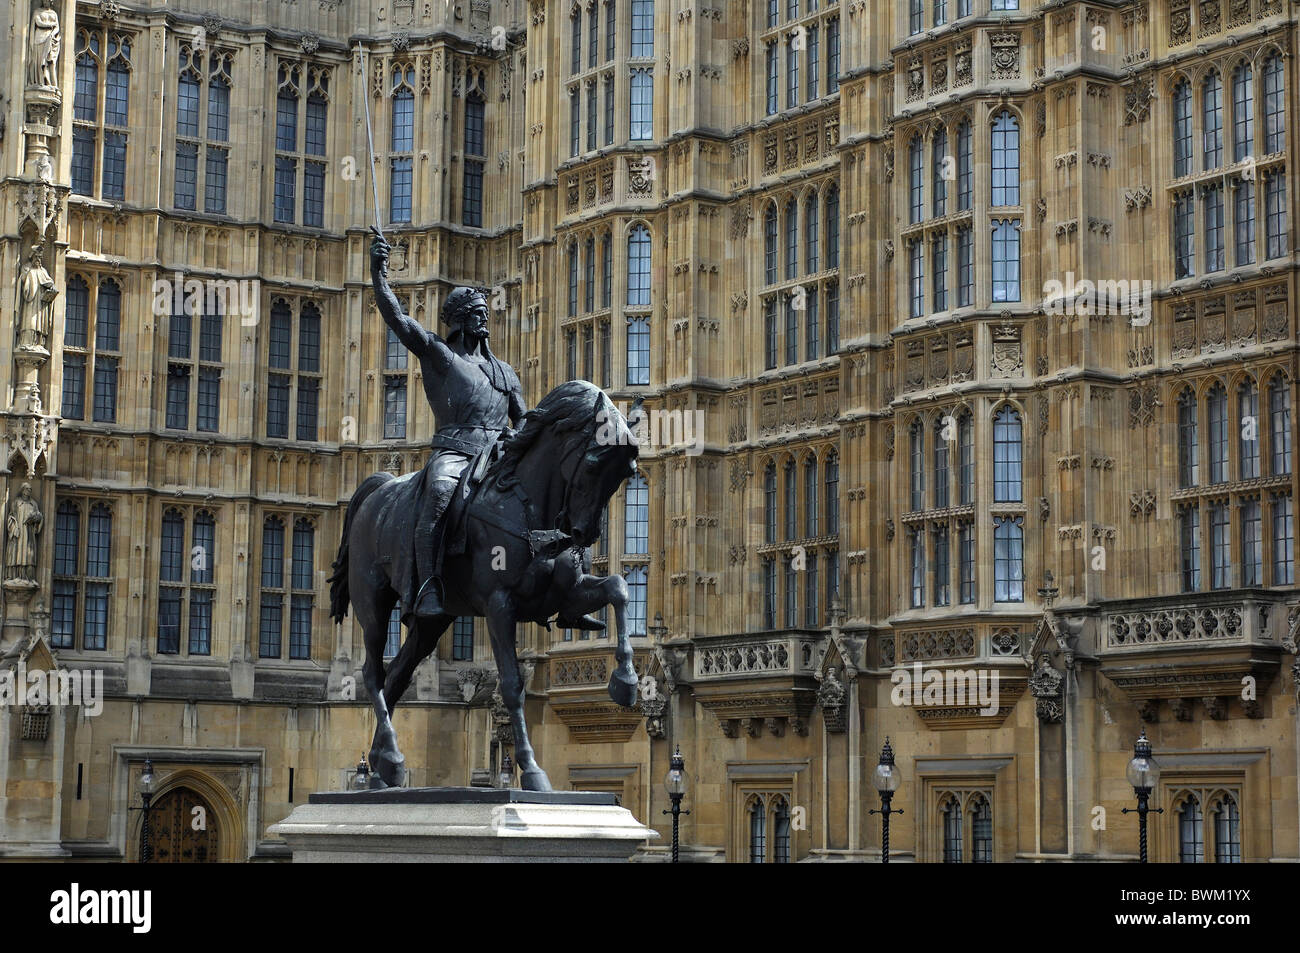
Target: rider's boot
[(428, 537), (580, 622)]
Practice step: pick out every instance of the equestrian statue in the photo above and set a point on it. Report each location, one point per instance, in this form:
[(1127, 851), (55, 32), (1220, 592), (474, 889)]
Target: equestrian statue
[(496, 524)]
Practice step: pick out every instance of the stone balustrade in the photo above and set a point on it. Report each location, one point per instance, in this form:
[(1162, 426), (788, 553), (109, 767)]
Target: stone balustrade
[(748, 656), (1201, 620)]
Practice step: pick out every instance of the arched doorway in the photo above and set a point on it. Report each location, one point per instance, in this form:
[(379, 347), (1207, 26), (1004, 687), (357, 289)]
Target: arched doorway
[(173, 837)]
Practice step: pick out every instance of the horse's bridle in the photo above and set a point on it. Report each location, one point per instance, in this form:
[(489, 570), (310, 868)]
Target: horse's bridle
[(523, 532), (581, 447)]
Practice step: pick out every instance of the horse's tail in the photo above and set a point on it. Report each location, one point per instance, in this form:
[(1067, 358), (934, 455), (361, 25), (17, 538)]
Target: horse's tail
[(338, 580)]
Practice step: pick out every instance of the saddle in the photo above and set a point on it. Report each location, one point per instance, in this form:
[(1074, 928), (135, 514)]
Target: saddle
[(454, 531)]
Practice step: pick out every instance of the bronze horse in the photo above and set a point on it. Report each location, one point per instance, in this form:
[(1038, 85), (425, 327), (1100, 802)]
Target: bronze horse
[(526, 528)]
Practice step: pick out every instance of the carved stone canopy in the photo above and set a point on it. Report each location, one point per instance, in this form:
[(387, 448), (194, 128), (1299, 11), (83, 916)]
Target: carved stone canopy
[(590, 722), (757, 711), (1056, 633), (26, 438), (672, 660), (958, 717), (831, 696), (654, 710), (1151, 681), (1045, 685)]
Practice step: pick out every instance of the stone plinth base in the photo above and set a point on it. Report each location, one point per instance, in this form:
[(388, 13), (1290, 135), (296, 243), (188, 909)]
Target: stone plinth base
[(461, 825), (686, 854), (34, 850)]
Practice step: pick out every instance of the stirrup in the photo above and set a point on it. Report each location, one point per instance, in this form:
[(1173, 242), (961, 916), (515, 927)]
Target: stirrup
[(428, 601)]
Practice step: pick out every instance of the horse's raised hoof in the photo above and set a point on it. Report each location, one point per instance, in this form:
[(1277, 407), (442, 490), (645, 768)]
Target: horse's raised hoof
[(622, 688), (535, 779)]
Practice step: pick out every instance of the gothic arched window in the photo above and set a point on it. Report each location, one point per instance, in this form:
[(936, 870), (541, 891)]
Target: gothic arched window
[(1212, 121), (1248, 435), (1227, 831), (1279, 415), (1008, 559), (952, 833), (1006, 160), (1243, 112), (1274, 108), (916, 187), (1188, 446), (1191, 835), (916, 465), (636, 517), (1182, 129), (769, 503), (1007, 456), (1217, 415)]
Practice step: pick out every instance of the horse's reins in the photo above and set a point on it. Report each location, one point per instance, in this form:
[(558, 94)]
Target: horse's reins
[(489, 517)]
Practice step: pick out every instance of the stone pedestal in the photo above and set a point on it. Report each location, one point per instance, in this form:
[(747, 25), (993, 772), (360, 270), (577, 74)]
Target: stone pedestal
[(18, 593), (30, 358), (462, 825)]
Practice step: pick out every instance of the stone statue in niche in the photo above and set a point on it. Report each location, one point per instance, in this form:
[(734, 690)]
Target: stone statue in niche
[(36, 294), (22, 526), (43, 47)]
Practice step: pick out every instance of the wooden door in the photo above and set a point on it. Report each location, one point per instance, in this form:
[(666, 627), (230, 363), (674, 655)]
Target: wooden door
[(180, 834)]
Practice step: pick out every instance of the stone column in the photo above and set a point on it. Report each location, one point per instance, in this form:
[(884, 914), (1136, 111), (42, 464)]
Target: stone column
[(34, 160)]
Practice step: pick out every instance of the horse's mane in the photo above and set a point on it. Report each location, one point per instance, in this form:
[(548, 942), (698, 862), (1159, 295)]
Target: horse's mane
[(569, 407)]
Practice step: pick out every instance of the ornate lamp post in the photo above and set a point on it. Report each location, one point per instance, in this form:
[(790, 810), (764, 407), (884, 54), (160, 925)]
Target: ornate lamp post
[(361, 780), (1144, 775), (675, 782), (507, 770), (146, 795), (887, 779)]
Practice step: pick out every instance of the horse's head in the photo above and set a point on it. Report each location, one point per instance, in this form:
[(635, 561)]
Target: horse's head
[(578, 435), (608, 459)]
